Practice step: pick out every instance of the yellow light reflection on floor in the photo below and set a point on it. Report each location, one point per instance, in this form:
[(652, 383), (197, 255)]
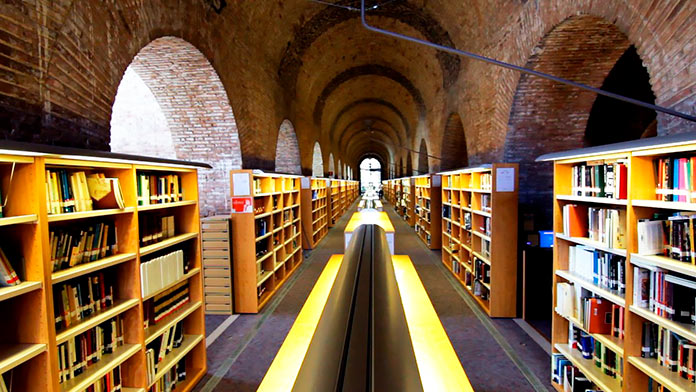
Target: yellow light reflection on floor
[(286, 365), (367, 218), (438, 364)]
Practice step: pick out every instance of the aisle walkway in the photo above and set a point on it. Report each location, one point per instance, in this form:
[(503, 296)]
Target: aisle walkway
[(496, 354)]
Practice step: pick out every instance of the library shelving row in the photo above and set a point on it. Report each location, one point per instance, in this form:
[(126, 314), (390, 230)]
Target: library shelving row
[(82, 251), (427, 210), (335, 201), (406, 201), (315, 210), (479, 234), (623, 221), (265, 212), (353, 190)]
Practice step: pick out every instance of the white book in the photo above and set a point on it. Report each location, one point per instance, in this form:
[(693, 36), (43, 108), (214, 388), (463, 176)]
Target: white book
[(650, 237)]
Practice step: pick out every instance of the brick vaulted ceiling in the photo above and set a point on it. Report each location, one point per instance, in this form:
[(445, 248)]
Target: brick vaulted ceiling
[(356, 92)]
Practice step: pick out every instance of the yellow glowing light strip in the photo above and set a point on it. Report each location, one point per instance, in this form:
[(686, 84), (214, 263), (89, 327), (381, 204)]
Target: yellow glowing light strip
[(438, 364), (283, 372), (369, 217)]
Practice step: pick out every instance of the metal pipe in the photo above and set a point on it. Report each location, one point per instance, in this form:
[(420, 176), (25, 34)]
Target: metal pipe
[(499, 63)]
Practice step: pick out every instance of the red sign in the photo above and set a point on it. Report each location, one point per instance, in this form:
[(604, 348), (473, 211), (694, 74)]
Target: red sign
[(242, 204)]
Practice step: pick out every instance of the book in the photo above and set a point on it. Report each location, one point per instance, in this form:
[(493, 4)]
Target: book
[(575, 220), (8, 276)]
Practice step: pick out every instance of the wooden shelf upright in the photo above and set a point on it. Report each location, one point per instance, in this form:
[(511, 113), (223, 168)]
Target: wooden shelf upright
[(407, 200), (641, 200), (479, 234), (335, 201), (428, 209), (30, 338), (315, 210), (272, 224)]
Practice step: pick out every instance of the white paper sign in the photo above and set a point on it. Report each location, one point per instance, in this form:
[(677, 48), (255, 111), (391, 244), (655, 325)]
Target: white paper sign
[(241, 184), (505, 179), (305, 182)]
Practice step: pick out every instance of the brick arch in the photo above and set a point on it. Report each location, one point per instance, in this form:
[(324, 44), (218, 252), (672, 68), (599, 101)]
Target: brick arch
[(546, 116), (287, 156), (317, 161), (454, 151), (332, 166), (339, 169), (423, 166), (409, 165), (197, 111)]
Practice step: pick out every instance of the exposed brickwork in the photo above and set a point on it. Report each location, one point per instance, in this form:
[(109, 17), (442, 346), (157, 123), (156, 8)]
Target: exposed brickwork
[(287, 154), (454, 152), (423, 166)]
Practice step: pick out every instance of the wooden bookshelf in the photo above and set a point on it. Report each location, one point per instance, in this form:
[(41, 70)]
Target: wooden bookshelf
[(335, 201), (640, 202), (406, 200), (29, 343), (315, 210), (470, 202), (428, 209), (265, 236)]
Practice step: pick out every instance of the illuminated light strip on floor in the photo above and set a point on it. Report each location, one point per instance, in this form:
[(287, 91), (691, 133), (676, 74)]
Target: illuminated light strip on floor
[(438, 364), (286, 365)]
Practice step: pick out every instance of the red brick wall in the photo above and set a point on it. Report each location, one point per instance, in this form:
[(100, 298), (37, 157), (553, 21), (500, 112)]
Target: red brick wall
[(287, 154), (198, 113), (423, 166)]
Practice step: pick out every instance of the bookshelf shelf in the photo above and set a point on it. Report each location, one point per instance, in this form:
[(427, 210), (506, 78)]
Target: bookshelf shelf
[(595, 200), (84, 269), (22, 288), (594, 244), (664, 262), (13, 355), (189, 343), (467, 196), (152, 332), (31, 340), (664, 205), (161, 206), (256, 278), (610, 295), (587, 367), (146, 250), (119, 306), (89, 214), (101, 368), (18, 220), (194, 272), (428, 193), (669, 379), (648, 170)]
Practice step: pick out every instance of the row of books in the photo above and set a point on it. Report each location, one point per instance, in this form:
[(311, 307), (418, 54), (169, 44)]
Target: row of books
[(168, 382), (606, 226), (157, 350), (655, 386), (486, 203), (155, 228), (486, 181), (484, 228), (668, 235), (111, 382), (595, 314), (675, 179), (80, 298), (160, 272), (666, 294), (482, 271), (158, 189), (601, 179), (86, 349), (166, 303), (672, 352), (8, 275), (564, 373), (76, 191), (82, 244), (603, 269), (606, 360)]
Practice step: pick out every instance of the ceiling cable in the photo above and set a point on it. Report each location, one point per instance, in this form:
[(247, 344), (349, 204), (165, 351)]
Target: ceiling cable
[(503, 64)]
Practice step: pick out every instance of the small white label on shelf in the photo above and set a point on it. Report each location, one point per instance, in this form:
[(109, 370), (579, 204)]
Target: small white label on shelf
[(305, 182), (505, 179), (437, 180), (241, 184)]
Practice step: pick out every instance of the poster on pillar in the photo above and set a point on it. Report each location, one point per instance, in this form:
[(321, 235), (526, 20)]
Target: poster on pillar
[(242, 205)]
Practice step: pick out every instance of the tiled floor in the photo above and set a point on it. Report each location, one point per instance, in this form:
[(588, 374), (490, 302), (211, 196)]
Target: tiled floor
[(496, 354)]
